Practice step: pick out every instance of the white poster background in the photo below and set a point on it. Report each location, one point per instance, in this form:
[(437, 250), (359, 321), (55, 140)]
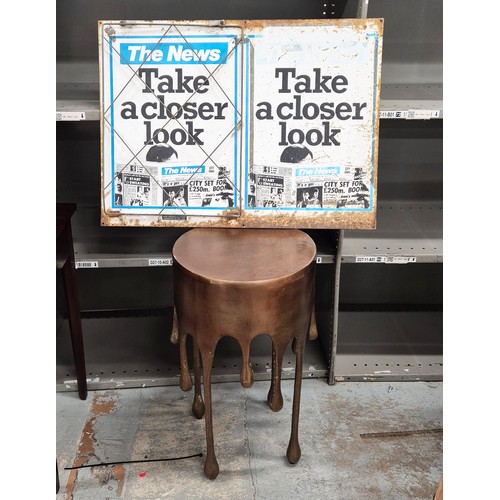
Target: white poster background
[(319, 86), (170, 113)]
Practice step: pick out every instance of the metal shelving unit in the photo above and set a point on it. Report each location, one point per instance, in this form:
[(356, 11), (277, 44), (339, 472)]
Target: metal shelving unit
[(77, 102), (395, 367), (373, 349), (403, 342), (101, 247), (411, 102), (80, 101), (127, 348), (407, 232), (135, 351)]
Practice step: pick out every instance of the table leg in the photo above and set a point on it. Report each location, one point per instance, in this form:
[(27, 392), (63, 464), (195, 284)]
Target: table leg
[(211, 468), (246, 373), (75, 325), (198, 407), (174, 336), (313, 328), (274, 396), (293, 452), (185, 382)]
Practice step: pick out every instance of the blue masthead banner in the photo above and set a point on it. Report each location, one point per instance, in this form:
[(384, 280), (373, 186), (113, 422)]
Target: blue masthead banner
[(174, 53)]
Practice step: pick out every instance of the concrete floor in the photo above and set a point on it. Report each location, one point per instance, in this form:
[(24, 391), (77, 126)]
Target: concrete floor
[(123, 425)]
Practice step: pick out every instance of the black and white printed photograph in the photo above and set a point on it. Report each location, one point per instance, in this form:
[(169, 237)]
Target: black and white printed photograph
[(175, 196), (310, 197)]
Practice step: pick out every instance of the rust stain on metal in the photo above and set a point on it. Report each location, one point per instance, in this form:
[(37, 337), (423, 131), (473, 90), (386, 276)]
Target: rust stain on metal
[(249, 23), (113, 213), (236, 219), (253, 24), (323, 220), (112, 218)]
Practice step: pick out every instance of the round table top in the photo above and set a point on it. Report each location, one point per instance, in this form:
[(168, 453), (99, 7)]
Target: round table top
[(244, 254)]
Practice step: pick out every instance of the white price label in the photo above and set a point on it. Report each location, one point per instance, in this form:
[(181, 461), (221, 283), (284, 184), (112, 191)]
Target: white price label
[(422, 114), (379, 259), (401, 260), (70, 116), (394, 114), (160, 262), (371, 259), (87, 264)]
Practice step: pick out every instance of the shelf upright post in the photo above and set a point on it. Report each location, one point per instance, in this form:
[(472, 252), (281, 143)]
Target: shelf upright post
[(363, 9), (334, 318)]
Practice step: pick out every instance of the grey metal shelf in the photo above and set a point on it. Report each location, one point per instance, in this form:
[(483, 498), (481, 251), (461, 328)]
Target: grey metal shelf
[(85, 260), (411, 102), (407, 232), (80, 101), (77, 101), (123, 352), (365, 367), (97, 246), (389, 345)]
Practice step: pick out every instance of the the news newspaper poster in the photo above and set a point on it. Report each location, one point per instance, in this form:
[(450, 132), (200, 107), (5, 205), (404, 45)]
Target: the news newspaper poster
[(240, 123)]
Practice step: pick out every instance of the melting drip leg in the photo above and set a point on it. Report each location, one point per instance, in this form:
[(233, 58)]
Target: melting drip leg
[(174, 336), (198, 407), (185, 382), (274, 396), (293, 452), (246, 374), (211, 468), (313, 328)]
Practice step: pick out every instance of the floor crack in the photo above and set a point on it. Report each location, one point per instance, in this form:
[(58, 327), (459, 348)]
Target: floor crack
[(247, 444)]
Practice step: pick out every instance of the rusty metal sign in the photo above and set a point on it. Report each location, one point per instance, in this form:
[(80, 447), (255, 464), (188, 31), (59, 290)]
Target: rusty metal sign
[(240, 123)]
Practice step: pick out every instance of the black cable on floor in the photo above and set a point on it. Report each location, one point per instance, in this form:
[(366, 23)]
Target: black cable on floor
[(134, 462)]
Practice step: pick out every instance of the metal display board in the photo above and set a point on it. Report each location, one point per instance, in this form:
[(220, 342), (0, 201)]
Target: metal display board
[(240, 123)]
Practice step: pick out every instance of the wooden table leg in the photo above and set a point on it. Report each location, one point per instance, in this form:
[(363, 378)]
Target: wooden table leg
[(75, 325)]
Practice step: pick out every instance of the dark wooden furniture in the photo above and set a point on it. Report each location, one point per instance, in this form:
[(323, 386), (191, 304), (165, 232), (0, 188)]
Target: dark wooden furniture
[(242, 283), (65, 260)]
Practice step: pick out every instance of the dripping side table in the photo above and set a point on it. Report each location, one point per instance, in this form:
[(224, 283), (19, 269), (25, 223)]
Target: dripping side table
[(243, 283)]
